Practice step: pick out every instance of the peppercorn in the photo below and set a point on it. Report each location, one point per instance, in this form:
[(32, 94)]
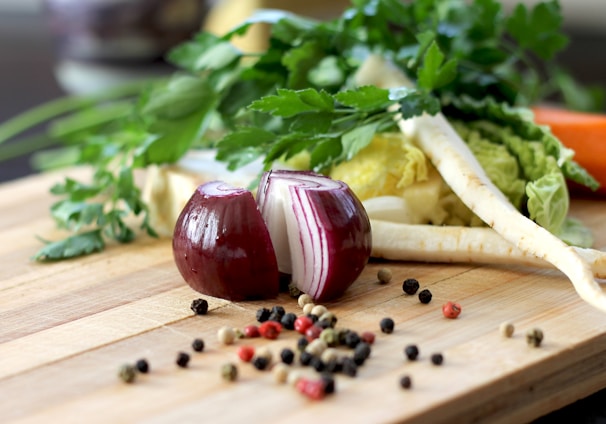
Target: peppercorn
[(507, 329), (323, 323), (425, 296), (226, 335), (182, 359), (329, 317), (270, 329), (302, 323), (316, 347), (199, 306), (333, 365), (229, 372), (411, 352), (329, 383), (307, 308), (451, 310), (361, 353), (305, 358), (313, 332), (197, 345), (352, 339), (313, 389), (405, 382), (251, 331), (288, 321), (534, 337), (349, 367), (329, 354), (384, 275), (287, 355), (437, 358), (246, 353), (387, 325), (263, 314), (127, 373), (318, 310), (330, 337), (265, 352), (293, 290), (304, 299), (410, 286), (260, 362), (317, 364), (276, 313), (367, 337), (280, 372), (314, 318), (302, 343), (142, 366)]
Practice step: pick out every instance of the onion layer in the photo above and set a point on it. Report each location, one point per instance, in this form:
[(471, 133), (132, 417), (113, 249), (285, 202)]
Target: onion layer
[(319, 229), (222, 247)]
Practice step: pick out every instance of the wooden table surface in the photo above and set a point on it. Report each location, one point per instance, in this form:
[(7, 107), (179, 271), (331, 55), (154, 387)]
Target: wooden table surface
[(68, 326)]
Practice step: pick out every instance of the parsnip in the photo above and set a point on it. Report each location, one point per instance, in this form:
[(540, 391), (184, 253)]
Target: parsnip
[(462, 172), (432, 243)]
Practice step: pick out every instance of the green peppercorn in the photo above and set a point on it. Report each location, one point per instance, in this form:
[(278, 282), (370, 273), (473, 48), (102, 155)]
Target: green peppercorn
[(384, 275), (127, 373), (199, 306), (534, 337), (142, 366), (182, 359), (293, 290), (387, 325), (410, 286), (405, 382), (425, 296), (229, 372), (197, 345), (411, 352), (329, 336)]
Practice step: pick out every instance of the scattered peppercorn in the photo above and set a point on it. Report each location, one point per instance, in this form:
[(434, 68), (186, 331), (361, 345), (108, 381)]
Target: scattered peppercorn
[(361, 353), (288, 321), (313, 332), (287, 356), (411, 352), (302, 343), (349, 367), (387, 325), (127, 373), (410, 286), (305, 358), (276, 313), (246, 353), (251, 331), (329, 336), (197, 345), (318, 310), (270, 329), (260, 362), (437, 358), (352, 339), (226, 335), (307, 308), (316, 347), (425, 296), (368, 337), (263, 314), (317, 364), (329, 317), (304, 299), (182, 359), (313, 389), (229, 372), (199, 306), (333, 365), (142, 366), (329, 383), (405, 382), (384, 275), (507, 329), (534, 337), (451, 310), (302, 323), (293, 290)]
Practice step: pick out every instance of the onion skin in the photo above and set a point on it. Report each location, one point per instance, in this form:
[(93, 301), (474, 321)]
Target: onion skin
[(329, 241), (222, 247)]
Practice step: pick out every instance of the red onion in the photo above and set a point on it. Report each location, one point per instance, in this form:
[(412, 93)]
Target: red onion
[(303, 224), (222, 247), (319, 229)]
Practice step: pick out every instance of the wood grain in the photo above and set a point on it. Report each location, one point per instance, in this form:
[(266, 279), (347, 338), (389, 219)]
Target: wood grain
[(68, 326)]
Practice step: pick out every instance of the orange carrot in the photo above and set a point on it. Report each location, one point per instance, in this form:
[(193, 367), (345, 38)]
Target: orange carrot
[(585, 133)]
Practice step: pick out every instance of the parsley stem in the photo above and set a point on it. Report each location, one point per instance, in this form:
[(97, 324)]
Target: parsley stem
[(25, 146)]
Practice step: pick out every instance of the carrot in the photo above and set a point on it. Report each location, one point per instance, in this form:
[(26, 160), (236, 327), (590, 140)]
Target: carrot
[(585, 133)]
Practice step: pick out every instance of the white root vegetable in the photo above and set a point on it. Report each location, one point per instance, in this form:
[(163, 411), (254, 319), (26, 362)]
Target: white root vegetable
[(433, 243), (462, 172)]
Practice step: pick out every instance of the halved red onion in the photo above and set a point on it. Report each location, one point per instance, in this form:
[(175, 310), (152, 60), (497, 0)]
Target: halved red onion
[(222, 247), (319, 229)]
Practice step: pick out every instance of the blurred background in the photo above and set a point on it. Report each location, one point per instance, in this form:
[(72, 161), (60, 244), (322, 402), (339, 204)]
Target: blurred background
[(97, 49), (49, 48)]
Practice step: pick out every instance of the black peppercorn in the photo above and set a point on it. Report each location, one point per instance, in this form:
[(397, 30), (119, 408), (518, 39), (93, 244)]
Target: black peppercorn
[(263, 314), (405, 382), (387, 325), (329, 383), (142, 366), (278, 311), (333, 365), (352, 339), (361, 353), (411, 352), (317, 364), (302, 343), (287, 356), (410, 286), (288, 321), (260, 362), (199, 306), (425, 296), (305, 358), (349, 367), (197, 345), (182, 359), (437, 359)]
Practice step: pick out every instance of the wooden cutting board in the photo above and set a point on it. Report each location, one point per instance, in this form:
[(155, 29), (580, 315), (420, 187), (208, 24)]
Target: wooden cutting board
[(68, 326)]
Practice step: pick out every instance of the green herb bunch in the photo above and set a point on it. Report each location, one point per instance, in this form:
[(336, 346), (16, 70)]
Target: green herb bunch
[(299, 95)]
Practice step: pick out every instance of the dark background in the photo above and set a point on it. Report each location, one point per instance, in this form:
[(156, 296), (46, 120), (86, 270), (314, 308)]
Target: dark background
[(27, 78)]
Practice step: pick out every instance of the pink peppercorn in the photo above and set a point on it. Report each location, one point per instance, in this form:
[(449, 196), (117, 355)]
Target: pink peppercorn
[(367, 337), (302, 323), (270, 329), (251, 331), (451, 310), (313, 389), (246, 353), (313, 332)]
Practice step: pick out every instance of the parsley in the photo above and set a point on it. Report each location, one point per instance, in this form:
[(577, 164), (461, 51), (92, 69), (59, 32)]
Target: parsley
[(298, 95)]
